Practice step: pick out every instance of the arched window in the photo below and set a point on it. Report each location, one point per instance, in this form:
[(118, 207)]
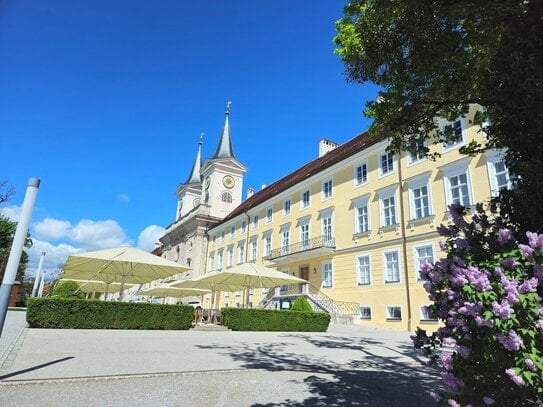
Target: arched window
[(226, 197)]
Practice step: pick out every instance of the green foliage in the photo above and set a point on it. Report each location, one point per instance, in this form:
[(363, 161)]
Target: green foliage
[(301, 304), (7, 232), (93, 314), (250, 319), (435, 58), (67, 289)]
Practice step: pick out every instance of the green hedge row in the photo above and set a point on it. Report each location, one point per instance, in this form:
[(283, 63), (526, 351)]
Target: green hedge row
[(94, 314), (250, 319)]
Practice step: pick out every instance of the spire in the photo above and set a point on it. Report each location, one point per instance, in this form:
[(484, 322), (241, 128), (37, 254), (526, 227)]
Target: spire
[(224, 148), (195, 177)]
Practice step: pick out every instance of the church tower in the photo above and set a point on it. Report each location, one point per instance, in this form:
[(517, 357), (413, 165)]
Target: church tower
[(222, 175), (189, 192)]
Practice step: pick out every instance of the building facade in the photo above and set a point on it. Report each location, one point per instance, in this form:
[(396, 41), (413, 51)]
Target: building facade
[(357, 223)]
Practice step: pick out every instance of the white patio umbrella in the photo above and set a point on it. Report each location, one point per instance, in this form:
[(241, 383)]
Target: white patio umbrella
[(169, 291), (244, 276), (121, 265), (91, 286)]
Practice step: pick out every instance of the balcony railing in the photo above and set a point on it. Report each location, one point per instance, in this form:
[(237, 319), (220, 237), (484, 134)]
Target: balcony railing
[(304, 245)]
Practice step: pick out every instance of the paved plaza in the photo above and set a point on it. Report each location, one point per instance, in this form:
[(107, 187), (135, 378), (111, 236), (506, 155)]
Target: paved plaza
[(346, 366)]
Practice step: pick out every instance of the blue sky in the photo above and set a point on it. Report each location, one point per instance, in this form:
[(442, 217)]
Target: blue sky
[(104, 101)]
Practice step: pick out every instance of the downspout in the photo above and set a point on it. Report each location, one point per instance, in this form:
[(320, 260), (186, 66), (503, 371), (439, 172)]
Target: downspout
[(404, 244), (246, 291)]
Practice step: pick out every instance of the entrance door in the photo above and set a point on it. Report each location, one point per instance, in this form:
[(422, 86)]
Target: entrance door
[(304, 273)]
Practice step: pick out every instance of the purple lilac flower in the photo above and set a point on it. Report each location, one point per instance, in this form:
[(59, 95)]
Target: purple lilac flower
[(443, 230), (510, 287), (461, 244), (488, 400), (446, 361), (511, 342), (512, 375), (470, 309), (425, 268), (528, 286), (452, 381), (442, 246), (530, 365), (534, 240), (484, 322), (527, 251), (502, 310), (449, 341), (479, 279), (463, 351), (453, 403), (539, 325), (504, 236), (427, 285), (509, 263)]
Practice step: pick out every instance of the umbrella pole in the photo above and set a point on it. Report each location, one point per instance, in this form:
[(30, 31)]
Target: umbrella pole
[(121, 292), (107, 292)]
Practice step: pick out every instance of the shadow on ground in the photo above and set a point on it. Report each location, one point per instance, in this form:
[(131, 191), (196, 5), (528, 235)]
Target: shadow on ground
[(368, 379)]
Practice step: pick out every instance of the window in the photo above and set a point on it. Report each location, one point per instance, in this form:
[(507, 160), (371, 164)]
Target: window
[(255, 221), (222, 235), (458, 189), (420, 201), (286, 207), (498, 173), (229, 256), (253, 249), (327, 275), (251, 291), (327, 189), (456, 180), (426, 314), (365, 312), (394, 312), (211, 261), (361, 216), (219, 260), (243, 227), (388, 211), (364, 270), (226, 197), (269, 215), (413, 158), (423, 254), (241, 253), (267, 245), (232, 231), (361, 174), (457, 132), (238, 294), (386, 163), (227, 294), (304, 234), (285, 240), (327, 229), (214, 239), (265, 290), (305, 199), (392, 267)]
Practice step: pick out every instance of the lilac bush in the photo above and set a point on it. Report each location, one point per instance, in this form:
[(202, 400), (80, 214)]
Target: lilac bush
[(487, 292)]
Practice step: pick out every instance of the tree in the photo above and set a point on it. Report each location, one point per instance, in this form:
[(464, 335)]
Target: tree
[(6, 191), (7, 232), (435, 58), (67, 289)]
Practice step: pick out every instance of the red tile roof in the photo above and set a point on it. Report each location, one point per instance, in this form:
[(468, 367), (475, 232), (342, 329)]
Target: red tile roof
[(340, 153)]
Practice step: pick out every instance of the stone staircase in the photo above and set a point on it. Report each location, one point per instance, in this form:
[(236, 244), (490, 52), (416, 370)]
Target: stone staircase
[(341, 312), (209, 328)]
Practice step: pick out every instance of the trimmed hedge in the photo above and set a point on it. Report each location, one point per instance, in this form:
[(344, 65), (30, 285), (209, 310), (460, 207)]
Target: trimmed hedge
[(94, 314), (301, 304), (251, 319)]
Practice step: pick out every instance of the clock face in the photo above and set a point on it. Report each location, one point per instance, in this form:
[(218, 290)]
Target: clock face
[(196, 202), (207, 182), (228, 181)]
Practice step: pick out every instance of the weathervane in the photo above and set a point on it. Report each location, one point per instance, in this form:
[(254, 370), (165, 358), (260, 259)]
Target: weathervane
[(228, 107), (201, 138)]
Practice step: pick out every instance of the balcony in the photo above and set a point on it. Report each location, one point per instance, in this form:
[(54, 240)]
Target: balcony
[(316, 247)]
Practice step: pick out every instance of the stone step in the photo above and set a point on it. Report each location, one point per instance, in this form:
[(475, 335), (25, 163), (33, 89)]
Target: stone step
[(209, 328)]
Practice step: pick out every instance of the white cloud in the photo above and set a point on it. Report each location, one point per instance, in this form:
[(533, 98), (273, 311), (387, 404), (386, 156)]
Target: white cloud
[(52, 229), (55, 257), (149, 236), (12, 212), (123, 197)]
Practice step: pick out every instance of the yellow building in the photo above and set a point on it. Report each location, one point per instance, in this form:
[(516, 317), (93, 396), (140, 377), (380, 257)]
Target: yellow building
[(356, 223)]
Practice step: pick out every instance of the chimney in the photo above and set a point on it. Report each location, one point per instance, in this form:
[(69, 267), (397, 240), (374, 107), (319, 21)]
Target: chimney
[(326, 146), (250, 192)]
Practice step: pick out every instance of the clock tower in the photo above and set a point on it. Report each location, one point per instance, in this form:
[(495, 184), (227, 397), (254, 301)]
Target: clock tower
[(222, 176)]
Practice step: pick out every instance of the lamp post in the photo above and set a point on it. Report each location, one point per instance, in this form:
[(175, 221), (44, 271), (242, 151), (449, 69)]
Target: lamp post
[(17, 247), (38, 275)]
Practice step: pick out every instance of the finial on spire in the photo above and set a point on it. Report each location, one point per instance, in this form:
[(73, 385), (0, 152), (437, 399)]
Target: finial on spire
[(228, 107), (201, 138)]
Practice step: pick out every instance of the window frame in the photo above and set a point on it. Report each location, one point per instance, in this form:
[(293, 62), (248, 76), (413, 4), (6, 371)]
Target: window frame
[(287, 208), (327, 189), (324, 265), (368, 318), (357, 204), (369, 271), (416, 257), (355, 174), (392, 164), (413, 185), (492, 158), (269, 215), (456, 145), (385, 266), (393, 318), (303, 204)]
